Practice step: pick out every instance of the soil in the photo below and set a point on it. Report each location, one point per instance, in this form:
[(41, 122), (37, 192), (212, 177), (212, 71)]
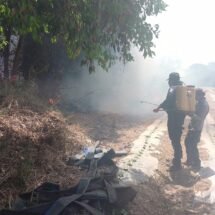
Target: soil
[(27, 147)]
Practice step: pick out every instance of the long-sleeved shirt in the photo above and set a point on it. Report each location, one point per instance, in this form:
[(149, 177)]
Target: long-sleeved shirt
[(169, 104)]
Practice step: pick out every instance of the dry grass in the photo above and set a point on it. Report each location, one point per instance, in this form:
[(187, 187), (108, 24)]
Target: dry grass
[(21, 95), (32, 150), (34, 142)]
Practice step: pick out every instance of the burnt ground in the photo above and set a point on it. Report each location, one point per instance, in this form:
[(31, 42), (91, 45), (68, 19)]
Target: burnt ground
[(112, 130), (163, 193)]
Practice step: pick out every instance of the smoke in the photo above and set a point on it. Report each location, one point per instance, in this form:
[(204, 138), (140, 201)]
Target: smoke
[(201, 75), (121, 89)]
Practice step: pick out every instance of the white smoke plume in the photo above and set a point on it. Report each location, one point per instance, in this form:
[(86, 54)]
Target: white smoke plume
[(122, 89)]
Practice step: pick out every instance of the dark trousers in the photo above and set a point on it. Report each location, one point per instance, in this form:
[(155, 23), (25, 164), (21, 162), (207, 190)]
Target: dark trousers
[(191, 142), (175, 126)]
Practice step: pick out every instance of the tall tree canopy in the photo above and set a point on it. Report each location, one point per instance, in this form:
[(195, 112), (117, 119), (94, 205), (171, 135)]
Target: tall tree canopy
[(99, 30)]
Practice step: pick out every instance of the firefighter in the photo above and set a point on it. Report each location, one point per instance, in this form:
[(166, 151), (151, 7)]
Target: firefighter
[(195, 128), (175, 119)]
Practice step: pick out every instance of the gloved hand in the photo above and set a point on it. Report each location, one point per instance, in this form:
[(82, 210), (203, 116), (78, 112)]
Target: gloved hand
[(156, 110)]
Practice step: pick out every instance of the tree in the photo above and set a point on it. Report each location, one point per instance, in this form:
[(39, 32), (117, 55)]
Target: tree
[(100, 31)]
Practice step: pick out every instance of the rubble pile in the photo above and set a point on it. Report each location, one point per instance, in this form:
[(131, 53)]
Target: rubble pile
[(97, 193)]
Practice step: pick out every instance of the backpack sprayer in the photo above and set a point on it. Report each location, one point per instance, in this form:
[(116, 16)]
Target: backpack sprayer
[(185, 99)]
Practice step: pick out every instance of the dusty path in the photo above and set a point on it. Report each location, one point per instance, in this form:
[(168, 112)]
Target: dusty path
[(150, 153), (179, 193), (147, 165)]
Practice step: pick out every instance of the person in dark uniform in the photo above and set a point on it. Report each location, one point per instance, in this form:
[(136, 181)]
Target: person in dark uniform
[(175, 119), (195, 129)]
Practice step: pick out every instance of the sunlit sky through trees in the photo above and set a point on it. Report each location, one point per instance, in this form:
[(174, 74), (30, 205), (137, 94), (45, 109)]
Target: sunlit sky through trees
[(187, 32), (187, 37)]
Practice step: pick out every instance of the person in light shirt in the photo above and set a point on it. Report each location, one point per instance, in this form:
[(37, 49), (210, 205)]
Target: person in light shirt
[(195, 129)]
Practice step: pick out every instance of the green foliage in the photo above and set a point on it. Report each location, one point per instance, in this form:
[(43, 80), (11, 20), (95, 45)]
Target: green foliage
[(101, 31)]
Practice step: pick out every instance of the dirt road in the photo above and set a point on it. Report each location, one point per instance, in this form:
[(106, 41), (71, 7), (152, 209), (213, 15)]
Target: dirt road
[(162, 192), (147, 165)]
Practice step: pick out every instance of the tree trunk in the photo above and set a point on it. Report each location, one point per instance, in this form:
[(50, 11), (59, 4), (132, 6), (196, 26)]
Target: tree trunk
[(17, 57), (6, 54)]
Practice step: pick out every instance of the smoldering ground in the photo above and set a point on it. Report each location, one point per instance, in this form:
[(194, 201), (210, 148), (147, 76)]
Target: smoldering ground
[(124, 89)]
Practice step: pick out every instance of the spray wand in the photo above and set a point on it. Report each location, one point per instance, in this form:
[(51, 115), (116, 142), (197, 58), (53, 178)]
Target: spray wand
[(149, 103)]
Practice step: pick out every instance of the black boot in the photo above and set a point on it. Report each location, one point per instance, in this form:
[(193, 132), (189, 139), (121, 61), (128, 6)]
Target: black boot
[(196, 166)]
